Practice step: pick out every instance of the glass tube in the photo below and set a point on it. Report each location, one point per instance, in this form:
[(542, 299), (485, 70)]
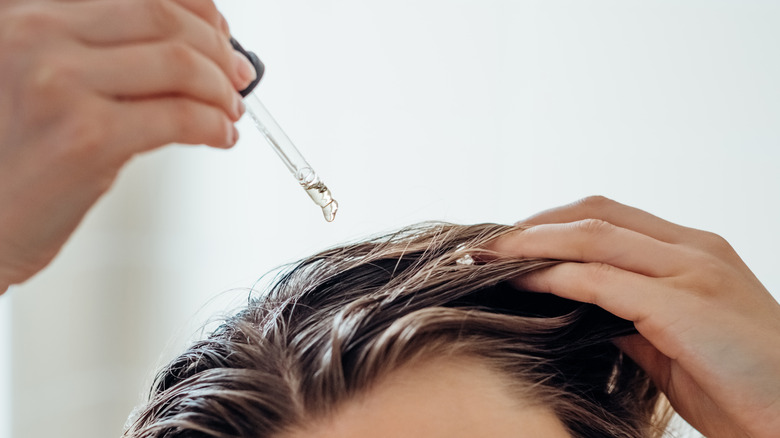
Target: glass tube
[(291, 157)]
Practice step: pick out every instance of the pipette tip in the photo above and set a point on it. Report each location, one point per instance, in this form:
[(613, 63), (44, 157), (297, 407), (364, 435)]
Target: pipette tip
[(329, 211)]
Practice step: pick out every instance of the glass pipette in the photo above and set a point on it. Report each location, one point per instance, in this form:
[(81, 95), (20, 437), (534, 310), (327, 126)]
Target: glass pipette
[(282, 144)]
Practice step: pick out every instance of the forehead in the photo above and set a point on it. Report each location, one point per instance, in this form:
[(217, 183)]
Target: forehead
[(445, 397)]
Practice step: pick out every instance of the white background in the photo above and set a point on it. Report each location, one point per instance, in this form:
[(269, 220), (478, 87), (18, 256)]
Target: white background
[(465, 111)]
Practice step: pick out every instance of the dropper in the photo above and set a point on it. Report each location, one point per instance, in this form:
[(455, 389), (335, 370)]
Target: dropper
[(281, 144)]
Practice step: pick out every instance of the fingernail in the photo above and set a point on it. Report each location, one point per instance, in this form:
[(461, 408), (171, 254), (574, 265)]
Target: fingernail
[(238, 106), (235, 136), (245, 69), (232, 135)]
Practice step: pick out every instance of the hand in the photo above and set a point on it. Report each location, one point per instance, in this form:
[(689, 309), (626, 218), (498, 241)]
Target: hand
[(709, 330), (85, 85)]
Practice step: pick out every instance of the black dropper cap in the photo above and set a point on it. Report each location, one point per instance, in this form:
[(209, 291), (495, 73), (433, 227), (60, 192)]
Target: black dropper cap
[(259, 67)]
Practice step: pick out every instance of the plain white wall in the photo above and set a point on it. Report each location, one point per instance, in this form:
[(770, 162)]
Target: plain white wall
[(5, 368), (466, 111)]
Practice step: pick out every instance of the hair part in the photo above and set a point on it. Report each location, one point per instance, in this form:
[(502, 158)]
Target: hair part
[(337, 322)]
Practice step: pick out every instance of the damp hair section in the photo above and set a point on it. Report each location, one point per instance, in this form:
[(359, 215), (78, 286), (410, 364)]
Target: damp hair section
[(332, 325)]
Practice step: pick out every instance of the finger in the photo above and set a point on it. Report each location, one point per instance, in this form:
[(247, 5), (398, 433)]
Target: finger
[(122, 22), (117, 21), (207, 10), (168, 69), (628, 295), (593, 240), (599, 207), (147, 124)]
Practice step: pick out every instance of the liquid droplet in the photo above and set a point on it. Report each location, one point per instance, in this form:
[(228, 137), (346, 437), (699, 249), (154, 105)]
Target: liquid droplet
[(320, 194), (329, 211)]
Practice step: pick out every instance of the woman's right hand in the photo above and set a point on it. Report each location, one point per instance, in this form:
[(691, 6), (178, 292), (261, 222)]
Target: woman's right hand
[(84, 86)]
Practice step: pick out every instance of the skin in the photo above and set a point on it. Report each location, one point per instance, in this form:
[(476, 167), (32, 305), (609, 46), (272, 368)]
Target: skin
[(75, 107), (439, 398), (87, 84), (709, 330)]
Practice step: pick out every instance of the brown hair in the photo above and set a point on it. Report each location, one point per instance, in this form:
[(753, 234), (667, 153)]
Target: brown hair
[(336, 322)]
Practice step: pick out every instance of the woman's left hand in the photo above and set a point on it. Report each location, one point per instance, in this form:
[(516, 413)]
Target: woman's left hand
[(709, 330)]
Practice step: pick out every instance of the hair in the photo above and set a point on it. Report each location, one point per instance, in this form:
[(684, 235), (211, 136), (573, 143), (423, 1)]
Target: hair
[(335, 323)]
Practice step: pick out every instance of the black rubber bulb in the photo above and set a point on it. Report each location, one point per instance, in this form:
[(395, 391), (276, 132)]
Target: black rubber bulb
[(259, 67)]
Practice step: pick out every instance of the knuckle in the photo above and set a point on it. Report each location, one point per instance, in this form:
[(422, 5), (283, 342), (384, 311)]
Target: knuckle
[(182, 56), (594, 202), (716, 241), (591, 278), (597, 274), (205, 9), (208, 11), (600, 272), (53, 75), (714, 245), (594, 226)]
